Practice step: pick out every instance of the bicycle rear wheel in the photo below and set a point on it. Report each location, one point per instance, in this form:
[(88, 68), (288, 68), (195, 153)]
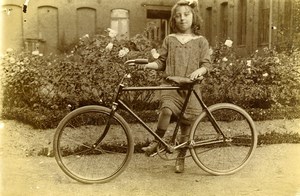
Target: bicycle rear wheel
[(75, 150), (226, 152)]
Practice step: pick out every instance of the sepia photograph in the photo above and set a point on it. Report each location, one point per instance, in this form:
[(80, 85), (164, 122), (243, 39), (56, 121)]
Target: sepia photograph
[(150, 97)]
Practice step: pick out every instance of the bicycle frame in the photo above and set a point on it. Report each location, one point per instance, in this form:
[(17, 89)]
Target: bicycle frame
[(83, 159), (190, 89)]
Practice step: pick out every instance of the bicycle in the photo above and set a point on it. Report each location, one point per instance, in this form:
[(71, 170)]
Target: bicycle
[(94, 144)]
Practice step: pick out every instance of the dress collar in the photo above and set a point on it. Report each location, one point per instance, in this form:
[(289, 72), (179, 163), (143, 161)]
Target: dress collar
[(185, 38)]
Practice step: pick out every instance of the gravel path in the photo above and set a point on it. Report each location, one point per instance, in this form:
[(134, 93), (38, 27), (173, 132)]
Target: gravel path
[(274, 170)]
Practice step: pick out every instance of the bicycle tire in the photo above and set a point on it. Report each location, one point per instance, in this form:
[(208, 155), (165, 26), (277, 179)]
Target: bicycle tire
[(225, 156), (74, 139)]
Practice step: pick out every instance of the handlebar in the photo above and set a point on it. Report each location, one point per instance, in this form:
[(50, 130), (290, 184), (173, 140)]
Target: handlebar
[(137, 61), (179, 80)]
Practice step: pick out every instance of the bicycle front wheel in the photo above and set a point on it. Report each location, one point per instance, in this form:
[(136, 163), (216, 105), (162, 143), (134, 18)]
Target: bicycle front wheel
[(92, 147), (228, 150)]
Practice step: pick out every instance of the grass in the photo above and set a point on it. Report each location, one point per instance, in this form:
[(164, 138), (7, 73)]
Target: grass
[(278, 138)]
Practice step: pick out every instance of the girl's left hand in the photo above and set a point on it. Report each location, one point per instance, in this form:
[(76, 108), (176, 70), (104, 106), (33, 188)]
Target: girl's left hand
[(197, 74)]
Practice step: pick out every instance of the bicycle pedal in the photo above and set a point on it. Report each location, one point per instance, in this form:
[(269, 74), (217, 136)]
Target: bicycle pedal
[(156, 153)]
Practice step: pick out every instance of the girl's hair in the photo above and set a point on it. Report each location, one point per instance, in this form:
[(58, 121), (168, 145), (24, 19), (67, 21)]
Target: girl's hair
[(196, 17)]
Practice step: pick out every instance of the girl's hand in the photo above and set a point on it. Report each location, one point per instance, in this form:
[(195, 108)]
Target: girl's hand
[(142, 66), (152, 65), (198, 73)]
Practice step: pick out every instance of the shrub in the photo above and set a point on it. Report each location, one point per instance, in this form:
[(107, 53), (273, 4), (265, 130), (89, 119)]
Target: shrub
[(265, 79), (87, 75), (40, 90)]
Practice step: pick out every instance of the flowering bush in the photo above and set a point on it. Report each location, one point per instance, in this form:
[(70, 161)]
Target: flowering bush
[(263, 80), (40, 90), (46, 87)]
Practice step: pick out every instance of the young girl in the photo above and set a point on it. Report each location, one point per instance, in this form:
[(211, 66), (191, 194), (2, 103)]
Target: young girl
[(184, 53)]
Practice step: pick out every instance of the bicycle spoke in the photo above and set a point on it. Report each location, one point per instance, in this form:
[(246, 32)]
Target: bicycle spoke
[(216, 154), (74, 145)]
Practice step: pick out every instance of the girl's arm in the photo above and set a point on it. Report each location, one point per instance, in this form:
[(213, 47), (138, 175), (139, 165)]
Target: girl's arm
[(198, 73), (153, 65), (160, 63), (205, 62)]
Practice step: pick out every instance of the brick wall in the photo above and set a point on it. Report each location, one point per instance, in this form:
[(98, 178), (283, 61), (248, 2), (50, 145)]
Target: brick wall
[(58, 23)]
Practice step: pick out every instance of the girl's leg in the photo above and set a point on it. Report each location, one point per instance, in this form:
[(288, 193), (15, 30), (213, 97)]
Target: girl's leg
[(162, 125), (179, 164), (164, 119)]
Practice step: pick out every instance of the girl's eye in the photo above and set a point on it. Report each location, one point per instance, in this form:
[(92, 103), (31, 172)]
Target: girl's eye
[(177, 16), (187, 13), (184, 14)]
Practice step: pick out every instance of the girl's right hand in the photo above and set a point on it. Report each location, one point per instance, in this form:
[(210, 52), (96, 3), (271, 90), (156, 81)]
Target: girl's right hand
[(142, 66), (152, 66)]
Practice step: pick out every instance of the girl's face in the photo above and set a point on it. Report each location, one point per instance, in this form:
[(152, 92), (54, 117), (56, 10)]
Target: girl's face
[(183, 17)]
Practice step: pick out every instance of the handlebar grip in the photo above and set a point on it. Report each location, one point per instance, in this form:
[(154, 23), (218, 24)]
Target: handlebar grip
[(141, 61)]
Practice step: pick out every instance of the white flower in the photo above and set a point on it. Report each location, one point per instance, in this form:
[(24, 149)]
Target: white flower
[(86, 36), (277, 60), (123, 52), (12, 60), (256, 51), (224, 59), (265, 75), (211, 51), (41, 54), (154, 53), (109, 46), (35, 52), (98, 43), (228, 43), (9, 50), (249, 62), (112, 33), (249, 70)]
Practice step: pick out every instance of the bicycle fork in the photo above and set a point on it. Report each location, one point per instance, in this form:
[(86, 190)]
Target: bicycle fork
[(114, 108)]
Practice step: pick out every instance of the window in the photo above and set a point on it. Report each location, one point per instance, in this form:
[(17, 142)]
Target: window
[(157, 24), (120, 22), (224, 21), (263, 22), (208, 24), (242, 22)]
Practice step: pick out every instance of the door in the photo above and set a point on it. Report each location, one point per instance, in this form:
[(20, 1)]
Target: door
[(86, 22)]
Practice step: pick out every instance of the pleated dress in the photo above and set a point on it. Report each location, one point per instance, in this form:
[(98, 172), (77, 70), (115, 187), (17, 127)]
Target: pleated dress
[(180, 55)]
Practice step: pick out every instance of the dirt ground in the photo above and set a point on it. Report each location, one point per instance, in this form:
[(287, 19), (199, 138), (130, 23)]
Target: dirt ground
[(274, 169)]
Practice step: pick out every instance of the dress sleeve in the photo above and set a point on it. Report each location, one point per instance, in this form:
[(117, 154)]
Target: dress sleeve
[(205, 57), (163, 54)]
